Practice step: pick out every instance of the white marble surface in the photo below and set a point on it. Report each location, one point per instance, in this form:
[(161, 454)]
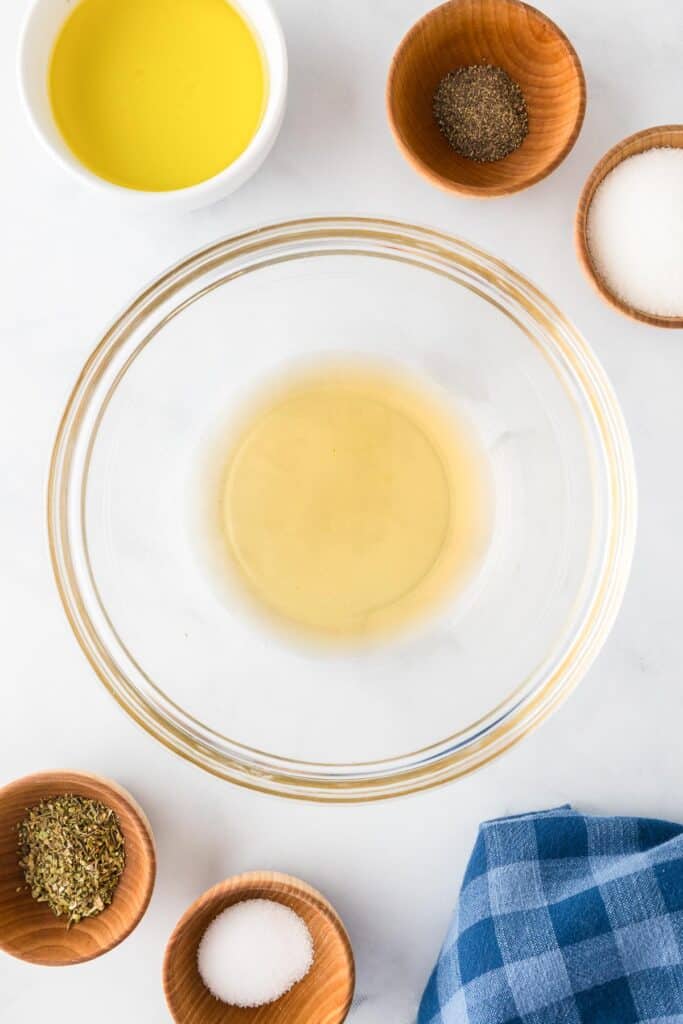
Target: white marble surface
[(69, 264)]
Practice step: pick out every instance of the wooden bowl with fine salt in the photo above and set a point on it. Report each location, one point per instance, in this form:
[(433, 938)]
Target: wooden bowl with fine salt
[(29, 930), (505, 33), (323, 996), (661, 136)]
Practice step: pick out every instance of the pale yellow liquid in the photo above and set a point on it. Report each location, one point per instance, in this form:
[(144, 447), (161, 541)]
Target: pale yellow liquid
[(352, 503), (157, 94)]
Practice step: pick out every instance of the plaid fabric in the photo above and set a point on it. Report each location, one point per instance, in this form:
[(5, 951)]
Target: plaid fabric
[(565, 919)]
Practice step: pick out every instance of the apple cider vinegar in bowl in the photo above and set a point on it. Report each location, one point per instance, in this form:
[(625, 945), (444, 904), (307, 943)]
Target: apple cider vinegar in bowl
[(351, 503), (341, 508)]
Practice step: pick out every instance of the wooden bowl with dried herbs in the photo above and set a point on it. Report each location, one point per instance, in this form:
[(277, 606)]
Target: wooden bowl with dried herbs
[(77, 867), (485, 97)]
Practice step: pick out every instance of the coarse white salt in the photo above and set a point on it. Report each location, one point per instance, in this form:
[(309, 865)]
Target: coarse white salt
[(635, 231), (254, 952)]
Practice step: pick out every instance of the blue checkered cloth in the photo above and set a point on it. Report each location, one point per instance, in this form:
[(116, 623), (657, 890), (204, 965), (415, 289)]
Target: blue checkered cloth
[(565, 919)]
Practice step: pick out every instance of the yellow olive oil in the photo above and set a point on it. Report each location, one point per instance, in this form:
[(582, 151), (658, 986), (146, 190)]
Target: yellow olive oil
[(351, 504), (157, 94)]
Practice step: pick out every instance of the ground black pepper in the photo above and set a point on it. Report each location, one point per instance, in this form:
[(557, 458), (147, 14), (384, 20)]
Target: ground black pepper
[(482, 112)]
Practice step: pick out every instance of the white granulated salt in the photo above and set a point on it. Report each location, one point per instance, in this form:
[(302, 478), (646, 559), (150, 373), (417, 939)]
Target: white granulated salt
[(254, 952), (635, 231)]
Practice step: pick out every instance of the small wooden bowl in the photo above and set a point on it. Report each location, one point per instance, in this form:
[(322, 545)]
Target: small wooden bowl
[(511, 35), (29, 930), (323, 996), (670, 135)]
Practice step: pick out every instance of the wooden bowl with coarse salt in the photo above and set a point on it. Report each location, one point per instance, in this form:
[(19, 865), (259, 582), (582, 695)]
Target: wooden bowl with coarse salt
[(660, 137), (28, 929), (507, 34), (323, 996)]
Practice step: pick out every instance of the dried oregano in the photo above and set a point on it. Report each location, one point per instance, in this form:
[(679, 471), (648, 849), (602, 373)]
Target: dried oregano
[(72, 854)]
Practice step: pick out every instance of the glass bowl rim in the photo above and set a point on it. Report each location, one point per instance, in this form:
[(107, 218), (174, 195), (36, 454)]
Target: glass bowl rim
[(501, 728)]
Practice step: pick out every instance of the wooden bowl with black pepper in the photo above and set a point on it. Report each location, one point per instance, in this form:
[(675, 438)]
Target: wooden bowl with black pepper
[(29, 930), (484, 119)]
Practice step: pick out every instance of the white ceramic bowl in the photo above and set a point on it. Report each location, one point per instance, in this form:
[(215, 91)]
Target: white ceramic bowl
[(45, 19)]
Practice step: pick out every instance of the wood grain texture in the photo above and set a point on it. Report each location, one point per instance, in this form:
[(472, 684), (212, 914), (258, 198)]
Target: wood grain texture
[(514, 36), (662, 135), (29, 930), (322, 997)]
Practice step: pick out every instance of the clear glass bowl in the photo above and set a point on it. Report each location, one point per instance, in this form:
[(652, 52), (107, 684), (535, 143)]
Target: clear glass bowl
[(235, 697)]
